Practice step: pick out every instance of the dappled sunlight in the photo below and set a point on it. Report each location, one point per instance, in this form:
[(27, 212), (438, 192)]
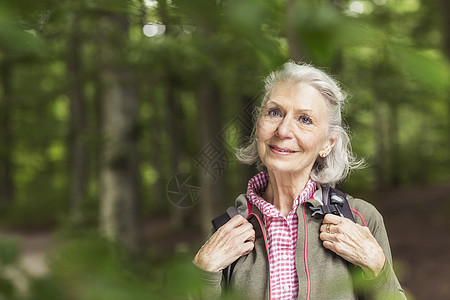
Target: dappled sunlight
[(153, 29)]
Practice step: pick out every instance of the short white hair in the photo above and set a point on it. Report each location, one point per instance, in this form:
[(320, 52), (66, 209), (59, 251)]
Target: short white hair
[(326, 170)]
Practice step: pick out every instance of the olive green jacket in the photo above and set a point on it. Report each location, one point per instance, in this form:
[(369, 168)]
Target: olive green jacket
[(327, 275)]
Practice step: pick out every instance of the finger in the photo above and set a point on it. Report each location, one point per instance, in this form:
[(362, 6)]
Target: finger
[(336, 246), (244, 230), (251, 236), (333, 219), (329, 245), (332, 237), (328, 228), (233, 223), (247, 248), (324, 236), (236, 221), (331, 228), (231, 237)]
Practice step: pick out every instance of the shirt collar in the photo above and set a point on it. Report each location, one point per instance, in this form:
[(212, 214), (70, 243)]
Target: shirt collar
[(257, 185)]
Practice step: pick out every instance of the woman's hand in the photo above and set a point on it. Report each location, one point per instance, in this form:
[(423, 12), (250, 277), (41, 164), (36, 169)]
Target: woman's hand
[(352, 242), (231, 241)]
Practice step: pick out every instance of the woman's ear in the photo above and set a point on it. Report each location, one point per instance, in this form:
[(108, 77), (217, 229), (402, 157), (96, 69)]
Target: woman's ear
[(329, 145)]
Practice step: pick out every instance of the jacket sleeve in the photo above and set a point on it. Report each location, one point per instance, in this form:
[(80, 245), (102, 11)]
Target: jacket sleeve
[(386, 285), (211, 284), (211, 281)]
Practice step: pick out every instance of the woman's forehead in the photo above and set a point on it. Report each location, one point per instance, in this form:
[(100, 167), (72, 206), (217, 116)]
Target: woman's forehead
[(299, 95), (291, 87)]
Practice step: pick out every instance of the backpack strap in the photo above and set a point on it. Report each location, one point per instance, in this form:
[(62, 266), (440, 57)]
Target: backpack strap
[(224, 218), (221, 220), (340, 198), (334, 202)]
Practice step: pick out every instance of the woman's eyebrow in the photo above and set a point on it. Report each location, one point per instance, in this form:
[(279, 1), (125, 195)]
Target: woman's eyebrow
[(297, 110), (304, 110), (272, 102)]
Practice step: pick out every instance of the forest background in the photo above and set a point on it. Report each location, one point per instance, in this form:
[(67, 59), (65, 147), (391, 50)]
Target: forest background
[(118, 121)]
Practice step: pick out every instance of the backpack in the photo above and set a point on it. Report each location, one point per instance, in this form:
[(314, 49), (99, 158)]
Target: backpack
[(334, 202)]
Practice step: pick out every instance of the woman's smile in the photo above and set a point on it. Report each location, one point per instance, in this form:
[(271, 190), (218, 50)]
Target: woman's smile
[(281, 150)]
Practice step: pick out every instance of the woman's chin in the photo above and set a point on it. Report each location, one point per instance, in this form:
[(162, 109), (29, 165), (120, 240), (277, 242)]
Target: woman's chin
[(288, 167), (281, 167)]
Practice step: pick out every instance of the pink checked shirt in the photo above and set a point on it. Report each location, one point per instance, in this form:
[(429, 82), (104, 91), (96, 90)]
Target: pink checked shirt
[(281, 235)]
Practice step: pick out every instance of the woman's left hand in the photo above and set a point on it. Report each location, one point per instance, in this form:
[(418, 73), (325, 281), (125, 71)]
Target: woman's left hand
[(352, 242)]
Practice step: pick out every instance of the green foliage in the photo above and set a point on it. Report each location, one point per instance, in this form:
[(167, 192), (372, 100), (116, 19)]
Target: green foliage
[(390, 59), (429, 68), (18, 40), (46, 289), (85, 266), (9, 252), (176, 278)]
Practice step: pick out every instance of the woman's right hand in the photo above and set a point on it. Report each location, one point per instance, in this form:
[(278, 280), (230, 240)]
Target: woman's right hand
[(231, 241)]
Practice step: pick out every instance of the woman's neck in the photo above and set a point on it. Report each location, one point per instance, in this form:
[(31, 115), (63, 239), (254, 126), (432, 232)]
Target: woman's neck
[(283, 189)]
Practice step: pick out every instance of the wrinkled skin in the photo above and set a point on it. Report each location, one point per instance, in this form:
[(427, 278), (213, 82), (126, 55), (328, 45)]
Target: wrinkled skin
[(231, 241), (354, 243)]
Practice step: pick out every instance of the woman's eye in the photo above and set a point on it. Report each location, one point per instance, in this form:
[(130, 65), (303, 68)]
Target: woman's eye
[(274, 112), (305, 120)]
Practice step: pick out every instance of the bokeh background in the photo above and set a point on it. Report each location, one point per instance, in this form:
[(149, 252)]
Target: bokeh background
[(118, 120)]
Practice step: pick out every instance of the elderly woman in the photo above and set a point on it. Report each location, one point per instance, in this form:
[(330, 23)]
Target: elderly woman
[(280, 250)]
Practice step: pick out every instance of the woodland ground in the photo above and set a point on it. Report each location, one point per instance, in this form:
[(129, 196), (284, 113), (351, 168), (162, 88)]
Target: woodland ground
[(417, 220)]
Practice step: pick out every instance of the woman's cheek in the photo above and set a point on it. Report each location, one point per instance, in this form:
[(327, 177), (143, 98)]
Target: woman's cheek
[(264, 130)]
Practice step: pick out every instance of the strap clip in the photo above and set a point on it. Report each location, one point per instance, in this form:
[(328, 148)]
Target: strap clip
[(335, 207)]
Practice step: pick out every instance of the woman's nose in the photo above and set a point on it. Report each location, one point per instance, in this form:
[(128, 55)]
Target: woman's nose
[(284, 130)]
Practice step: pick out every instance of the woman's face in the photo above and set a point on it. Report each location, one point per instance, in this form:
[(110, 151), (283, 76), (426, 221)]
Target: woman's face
[(292, 128)]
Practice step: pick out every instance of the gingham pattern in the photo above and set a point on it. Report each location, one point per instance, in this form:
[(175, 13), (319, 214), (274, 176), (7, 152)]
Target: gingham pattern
[(281, 237)]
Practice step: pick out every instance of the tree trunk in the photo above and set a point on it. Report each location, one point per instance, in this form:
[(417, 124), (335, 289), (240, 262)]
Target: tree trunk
[(395, 157), (96, 136), (445, 4), (173, 125), (211, 156), (157, 159), (77, 135), (292, 34), (6, 165), (119, 164), (380, 150)]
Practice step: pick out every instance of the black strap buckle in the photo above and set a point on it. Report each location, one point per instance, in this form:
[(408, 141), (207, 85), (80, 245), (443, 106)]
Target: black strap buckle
[(335, 207)]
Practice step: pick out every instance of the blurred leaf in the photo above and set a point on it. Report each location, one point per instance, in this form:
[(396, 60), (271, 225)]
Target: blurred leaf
[(89, 267), (15, 38), (432, 71), (183, 278), (317, 28), (6, 288), (204, 12), (9, 251), (46, 289), (358, 33)]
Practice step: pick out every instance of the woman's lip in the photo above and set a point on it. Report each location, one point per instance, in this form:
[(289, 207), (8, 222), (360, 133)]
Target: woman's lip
[(281, 150)]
